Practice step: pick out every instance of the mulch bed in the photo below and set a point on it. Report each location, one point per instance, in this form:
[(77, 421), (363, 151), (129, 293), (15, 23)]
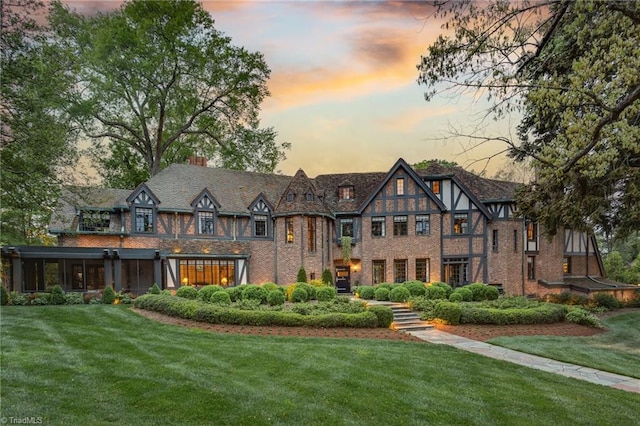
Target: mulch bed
[(471, 331)]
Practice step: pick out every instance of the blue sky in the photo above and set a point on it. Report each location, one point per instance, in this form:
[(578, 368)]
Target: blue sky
[(344, 86)]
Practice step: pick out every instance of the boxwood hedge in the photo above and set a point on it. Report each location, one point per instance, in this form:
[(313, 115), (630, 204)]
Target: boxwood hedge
[(215, 314)]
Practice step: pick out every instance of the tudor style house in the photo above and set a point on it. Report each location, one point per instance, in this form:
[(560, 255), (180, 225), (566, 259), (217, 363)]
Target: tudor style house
[(195, 225)]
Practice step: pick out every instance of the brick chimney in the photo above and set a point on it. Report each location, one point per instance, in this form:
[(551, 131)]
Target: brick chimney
[(198, 161)]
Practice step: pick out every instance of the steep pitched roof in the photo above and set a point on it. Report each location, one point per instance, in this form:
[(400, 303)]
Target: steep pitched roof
[(401, 164), (484, 189), (363, 184), (299, 187), (177, 185)]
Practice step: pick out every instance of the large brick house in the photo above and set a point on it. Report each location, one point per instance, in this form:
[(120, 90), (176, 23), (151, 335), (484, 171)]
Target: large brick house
[(194, 225)]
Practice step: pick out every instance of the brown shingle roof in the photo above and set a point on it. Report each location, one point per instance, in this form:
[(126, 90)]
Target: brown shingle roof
[(178, 185), (300, 186), (363, 184), (483, 188)]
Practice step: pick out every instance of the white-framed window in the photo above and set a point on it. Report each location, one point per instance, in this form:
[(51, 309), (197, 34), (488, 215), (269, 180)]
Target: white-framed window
[(259, 225), (346, 227), (206, 223), (378, 225), (422, 270), (423, 225), (400, 226), (144, 220), (94, 221)]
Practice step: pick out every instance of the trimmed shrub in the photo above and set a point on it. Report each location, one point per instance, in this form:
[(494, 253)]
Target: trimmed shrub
[(270, 286), (388, 286), (455, 297), (302, 308), (434, 292), (187, 292), (220, 298), (448, 289), (41, 299), (448, 312), (125, 298), (255, 292), (399, 294), (606, 301), (583, 317), (482, 291), (367, 292), (327, 277), (57, 295), (4, 296), (235, 293), (108, 295), (302, 275), (299, 295), (275, 297), (18, 299), (383, 313), (205, 292), (427, 307), (461, 294), (154, 289), (74, 299), (416, 288), (247, 304), (545, 313), (324, 294), (311, 290), (491, 293), (381, 294)]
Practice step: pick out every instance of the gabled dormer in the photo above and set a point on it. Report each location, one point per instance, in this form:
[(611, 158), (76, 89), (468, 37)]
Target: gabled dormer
[(205, 208), (346, 191), (261, 212), (144, 210)]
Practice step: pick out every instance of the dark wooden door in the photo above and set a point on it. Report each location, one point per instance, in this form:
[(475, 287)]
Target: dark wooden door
[(343, 279)]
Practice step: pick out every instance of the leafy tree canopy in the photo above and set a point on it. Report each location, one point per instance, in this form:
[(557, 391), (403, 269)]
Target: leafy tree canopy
[(424, 164), (34, 144), (156, 83), (571, 68)]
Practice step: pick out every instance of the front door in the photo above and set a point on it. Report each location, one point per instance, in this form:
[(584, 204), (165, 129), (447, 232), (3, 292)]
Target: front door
[(343, 279)]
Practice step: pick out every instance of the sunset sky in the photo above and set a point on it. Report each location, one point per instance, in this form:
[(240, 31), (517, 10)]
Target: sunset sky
[(343, 85)]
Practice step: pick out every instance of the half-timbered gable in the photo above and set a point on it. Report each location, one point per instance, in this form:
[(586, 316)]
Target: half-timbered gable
[(400, 228), (261, 218), (205, 214), (144, 211)]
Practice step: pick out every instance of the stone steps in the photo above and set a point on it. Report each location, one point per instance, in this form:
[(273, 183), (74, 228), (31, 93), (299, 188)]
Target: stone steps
[(404, 319)]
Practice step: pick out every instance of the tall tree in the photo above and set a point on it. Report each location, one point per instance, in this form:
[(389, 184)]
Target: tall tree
[(34, 143), (571, 69), (157, 83)]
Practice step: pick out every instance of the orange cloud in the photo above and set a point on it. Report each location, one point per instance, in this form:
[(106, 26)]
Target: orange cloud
[(408, 120)]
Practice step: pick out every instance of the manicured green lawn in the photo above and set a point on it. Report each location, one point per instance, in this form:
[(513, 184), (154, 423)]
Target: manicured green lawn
[(617, 351), (97, 364)]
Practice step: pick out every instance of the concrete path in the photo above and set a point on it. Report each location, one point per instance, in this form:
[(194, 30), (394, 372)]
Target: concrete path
[(565, 369)]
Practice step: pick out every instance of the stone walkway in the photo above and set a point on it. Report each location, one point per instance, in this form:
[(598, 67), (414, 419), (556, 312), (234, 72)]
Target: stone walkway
[(565, 369)]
